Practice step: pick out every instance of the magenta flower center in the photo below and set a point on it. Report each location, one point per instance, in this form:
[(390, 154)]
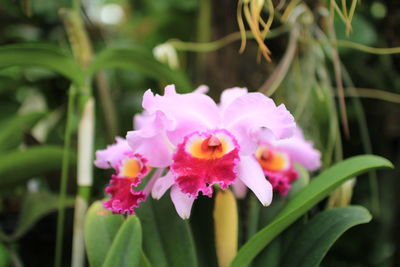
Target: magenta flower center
[(204, 159)]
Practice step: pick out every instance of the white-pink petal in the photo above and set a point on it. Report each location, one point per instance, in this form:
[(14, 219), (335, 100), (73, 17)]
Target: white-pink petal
[(251, 174), (151, 140), (162, 184), (182, 202), (189, 112), (229, 95), (239, 189), (112, 155), (249, 113), (301, 151)]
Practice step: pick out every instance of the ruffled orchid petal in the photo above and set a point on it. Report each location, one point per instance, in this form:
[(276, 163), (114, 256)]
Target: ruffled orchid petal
[(182, 202), (150, 184), (124, 199), (205, 159), (162, 184), (229, 95), (113, 154), (281, 181), (251, 174), (301, 151), (151, 141), (186, 111), (202, 89), (248, 114), (239, 189)]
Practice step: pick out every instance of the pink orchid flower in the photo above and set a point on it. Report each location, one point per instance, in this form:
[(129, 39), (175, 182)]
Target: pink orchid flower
[(130, 169), (277, 159), (204, 144)]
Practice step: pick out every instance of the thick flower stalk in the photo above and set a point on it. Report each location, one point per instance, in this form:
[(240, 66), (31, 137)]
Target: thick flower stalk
[(129, 168), (204, 145)]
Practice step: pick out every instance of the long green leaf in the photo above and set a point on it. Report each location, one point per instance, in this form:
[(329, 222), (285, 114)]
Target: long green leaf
[(101, 226), (318, 189), (168, 240), (40, 55), (137, 60), (11, 132), (19, 166), (315, 239), (34, 207), (5, 257), (126, 248)]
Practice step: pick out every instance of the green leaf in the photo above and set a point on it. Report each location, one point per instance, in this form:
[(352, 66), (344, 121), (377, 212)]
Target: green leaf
[(34, 207), (12, 131), (41, 55), (101, 226), (319, 188), (137, 60), (144, 261), (19, 166), (314, 240), (168, 240), (126, 249), (5, 258)]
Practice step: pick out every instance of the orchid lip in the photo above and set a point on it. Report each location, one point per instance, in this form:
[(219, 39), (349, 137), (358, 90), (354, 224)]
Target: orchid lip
[(206, 159)]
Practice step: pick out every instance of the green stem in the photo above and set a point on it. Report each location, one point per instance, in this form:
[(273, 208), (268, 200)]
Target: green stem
[(203, 34), (204, 47), (64, 175), (366, 141), (356, 46)]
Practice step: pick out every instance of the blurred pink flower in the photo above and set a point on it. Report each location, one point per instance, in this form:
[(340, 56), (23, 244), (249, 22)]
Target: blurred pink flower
[(129, 168), (277, 159)]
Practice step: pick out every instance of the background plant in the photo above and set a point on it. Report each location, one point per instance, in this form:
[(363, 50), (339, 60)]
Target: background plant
[(52, 62)]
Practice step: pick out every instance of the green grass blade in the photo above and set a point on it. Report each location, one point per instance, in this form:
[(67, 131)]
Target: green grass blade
[(19, 166), (41, 55), (319, 188), (314, 240), (12, 131)]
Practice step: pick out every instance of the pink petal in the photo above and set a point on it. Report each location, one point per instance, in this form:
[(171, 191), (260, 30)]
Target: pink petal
[(182, 202), (124, 199), (229, 95), (281, 181), (246, 115), (162, 184), (202, 89), (239, 189), (150, 184), (151, 141), (252, 176), (188, 112), (301, 151), (113, 154)]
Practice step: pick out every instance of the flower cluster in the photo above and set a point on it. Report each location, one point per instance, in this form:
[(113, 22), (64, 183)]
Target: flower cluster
[(246, 141)]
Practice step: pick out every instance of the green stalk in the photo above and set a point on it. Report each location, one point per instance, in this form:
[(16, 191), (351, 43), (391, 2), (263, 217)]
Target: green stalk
[(64, 176), (84, 179), (203, 34), (82, 51), (366, 141)]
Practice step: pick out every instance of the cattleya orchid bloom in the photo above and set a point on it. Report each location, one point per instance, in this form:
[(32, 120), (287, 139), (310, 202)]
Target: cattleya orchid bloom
[(130, 169), (203, 144), (277, 159)]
